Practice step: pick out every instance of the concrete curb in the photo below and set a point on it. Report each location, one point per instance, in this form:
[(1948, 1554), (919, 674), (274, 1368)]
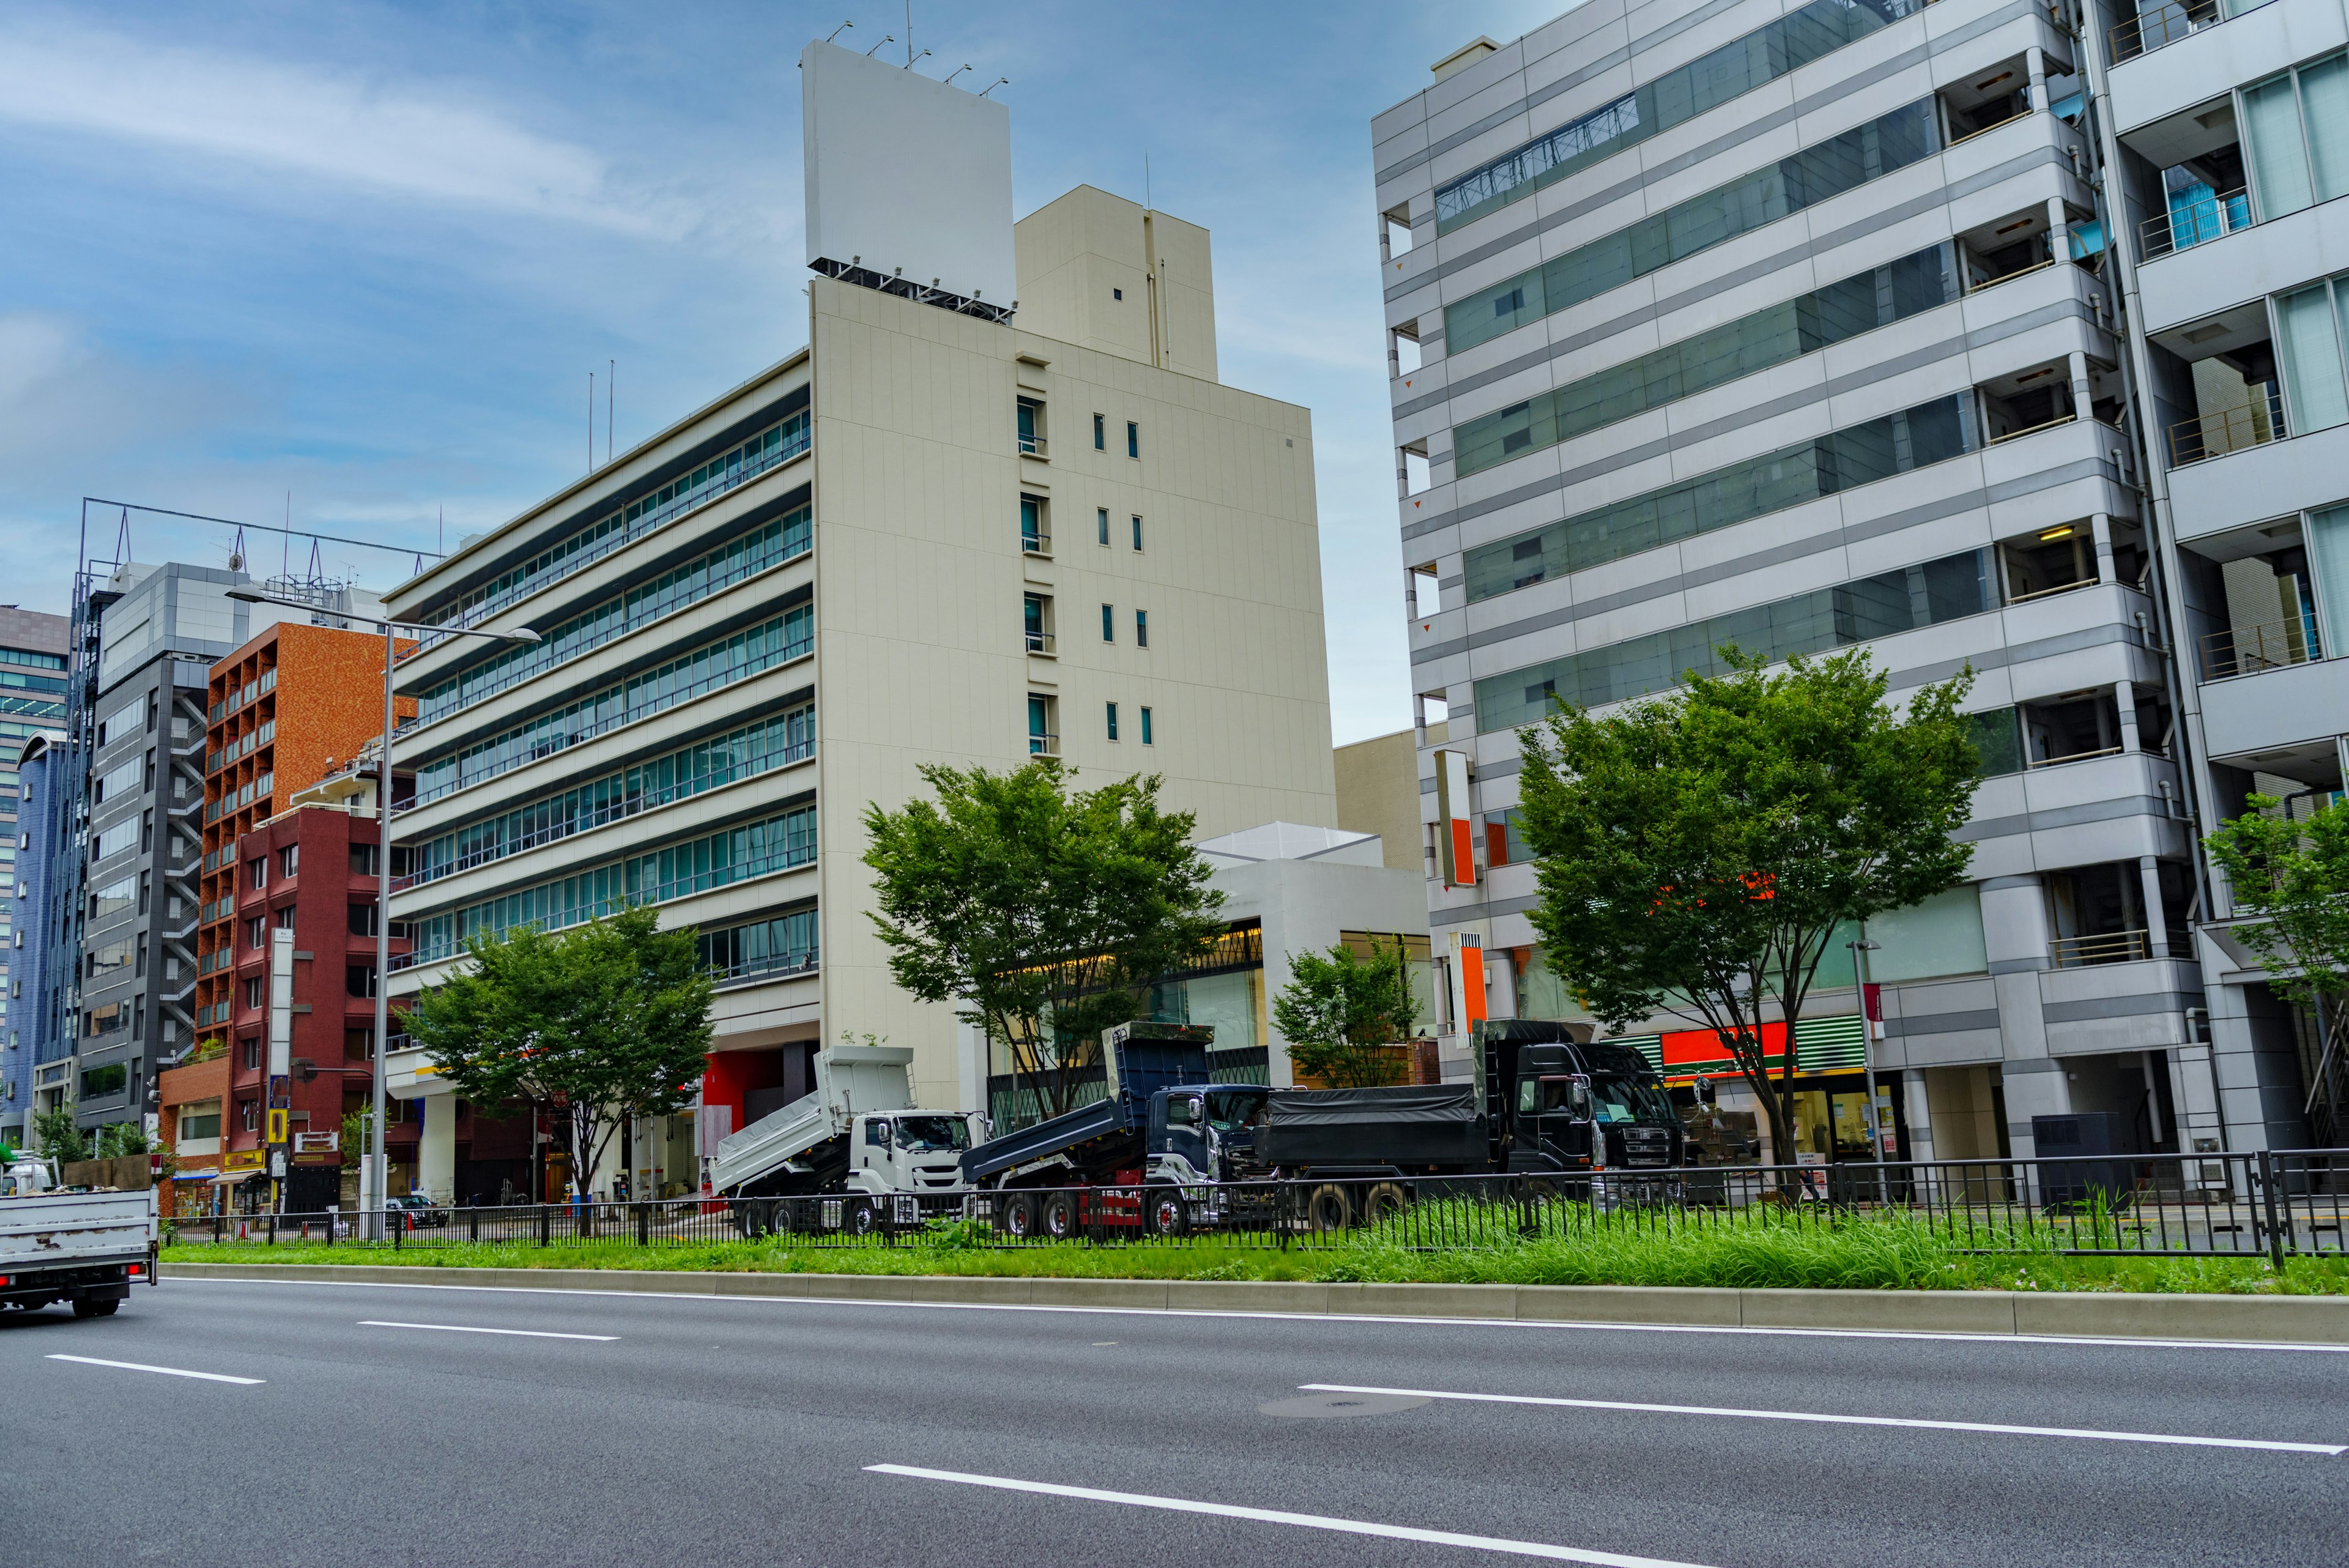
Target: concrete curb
[(2264, 1320)]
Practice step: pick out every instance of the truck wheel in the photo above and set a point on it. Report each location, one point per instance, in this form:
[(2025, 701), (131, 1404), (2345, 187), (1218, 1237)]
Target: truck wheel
[(1330, 1208), (1166, 1214), (1060, 1220), (1015, 1213), (860, 1218), (83, 1307), (1385, 1201), (749, 1223)]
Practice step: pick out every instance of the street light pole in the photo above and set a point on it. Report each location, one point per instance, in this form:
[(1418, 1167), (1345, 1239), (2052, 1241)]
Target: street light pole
[(375, 1171), (1859, 952)]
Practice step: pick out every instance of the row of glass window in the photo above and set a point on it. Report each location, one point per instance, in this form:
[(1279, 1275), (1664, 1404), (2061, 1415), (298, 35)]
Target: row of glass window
[(1772, 336), (783, 943), (746, 653), (719, 860), (722, 568), (1759, 58), (778, 443), (1814, 622), (758, 748), (37, 661), (1838, 461), (1832, 167)]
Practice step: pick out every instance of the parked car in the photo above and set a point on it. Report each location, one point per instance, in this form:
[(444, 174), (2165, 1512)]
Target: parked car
[(418, 1210)]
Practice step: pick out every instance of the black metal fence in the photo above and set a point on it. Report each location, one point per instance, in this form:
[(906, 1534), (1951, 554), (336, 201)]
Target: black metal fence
[(2276, 1205)]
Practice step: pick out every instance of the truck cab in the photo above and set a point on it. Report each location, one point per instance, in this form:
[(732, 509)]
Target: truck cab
[(909, 1150), (1556, 1102), (1205, 1132)]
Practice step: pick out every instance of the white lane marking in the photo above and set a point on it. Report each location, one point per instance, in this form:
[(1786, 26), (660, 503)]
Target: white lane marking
[(1307, 1520), (463, 1328), (166, 1371), (1997, 1428), (1952, 1336)]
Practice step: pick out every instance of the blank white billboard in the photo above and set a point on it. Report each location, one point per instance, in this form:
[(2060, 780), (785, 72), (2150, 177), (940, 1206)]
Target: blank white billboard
[(905, 176)]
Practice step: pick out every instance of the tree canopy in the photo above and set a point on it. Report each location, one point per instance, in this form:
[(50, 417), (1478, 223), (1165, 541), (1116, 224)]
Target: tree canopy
[(1040, 911), (609, 1020), (1695, 853), (2293, 878), (1342, 1014)]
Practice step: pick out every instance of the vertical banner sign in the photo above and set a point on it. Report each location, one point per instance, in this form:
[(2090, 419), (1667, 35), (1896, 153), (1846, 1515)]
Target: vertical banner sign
[(281, 1002), (1466, 950), (1871, 1002), (1456, 854)]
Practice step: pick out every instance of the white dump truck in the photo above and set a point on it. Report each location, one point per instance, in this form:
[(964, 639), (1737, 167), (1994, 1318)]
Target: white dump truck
[(71, 1245), (842, 1157)]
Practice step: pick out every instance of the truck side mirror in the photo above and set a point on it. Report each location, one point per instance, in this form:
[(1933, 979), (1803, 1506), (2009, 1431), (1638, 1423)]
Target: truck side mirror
[(1578, 1099)]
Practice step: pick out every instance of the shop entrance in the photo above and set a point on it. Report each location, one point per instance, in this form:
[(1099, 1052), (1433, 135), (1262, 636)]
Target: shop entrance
[(1831, 1118)]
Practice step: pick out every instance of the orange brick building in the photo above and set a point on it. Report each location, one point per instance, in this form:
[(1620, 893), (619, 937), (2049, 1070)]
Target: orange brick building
[(284, 710)]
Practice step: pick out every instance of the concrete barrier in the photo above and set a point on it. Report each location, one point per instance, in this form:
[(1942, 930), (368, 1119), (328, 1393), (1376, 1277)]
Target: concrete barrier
[(2097, 1315)]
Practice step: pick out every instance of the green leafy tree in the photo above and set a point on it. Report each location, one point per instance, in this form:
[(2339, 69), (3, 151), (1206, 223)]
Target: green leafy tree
[(1695, 853), (2293, 878), (1342, 1014), (56, 1134), (608, 1020), (1040, 911)]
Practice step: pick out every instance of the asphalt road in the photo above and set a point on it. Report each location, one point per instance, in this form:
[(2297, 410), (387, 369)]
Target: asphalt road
[(717, 1431)]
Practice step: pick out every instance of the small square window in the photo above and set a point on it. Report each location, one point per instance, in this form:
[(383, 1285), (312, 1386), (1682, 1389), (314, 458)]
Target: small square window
[(1101, 433), (289, 860), (1102, 516), (1117, 294), (1112, 720), (1142, 629), (1109, 623), (1137, 532), (1145, 726), (1133, 439)]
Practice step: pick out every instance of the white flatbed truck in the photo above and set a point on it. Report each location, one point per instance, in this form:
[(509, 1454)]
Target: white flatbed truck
[(60, 1245)]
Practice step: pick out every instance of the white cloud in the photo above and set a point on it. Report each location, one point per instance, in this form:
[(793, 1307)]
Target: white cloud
[(421, 141)]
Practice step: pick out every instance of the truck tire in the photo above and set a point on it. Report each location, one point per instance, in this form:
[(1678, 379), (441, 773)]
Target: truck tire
[(1163, 1213), (85, 1307), (1061, 1220), (1385, 1201), (1015, 1214), (1329, 1208), (750, 1218), (860, 1217)]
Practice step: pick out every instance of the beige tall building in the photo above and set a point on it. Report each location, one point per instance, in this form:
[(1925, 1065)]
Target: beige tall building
[(932, 537)]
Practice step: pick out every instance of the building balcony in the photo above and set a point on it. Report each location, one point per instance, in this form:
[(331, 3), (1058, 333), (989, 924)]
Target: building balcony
[(2209, 265), (2278, 717), (2172, 57)]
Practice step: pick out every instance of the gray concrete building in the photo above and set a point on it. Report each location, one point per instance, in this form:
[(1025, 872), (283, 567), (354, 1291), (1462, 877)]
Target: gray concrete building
[(1803, 327), (32, 713)]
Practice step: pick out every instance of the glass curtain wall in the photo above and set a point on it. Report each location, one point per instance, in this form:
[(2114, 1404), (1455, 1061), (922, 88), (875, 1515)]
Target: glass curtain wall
[(2296, 133)]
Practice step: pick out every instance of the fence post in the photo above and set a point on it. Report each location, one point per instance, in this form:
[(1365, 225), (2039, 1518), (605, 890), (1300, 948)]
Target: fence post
[(545, 1225), (472, 1224), (272, 1227), (398, 1229), (2267, 1188), (1280, 1196), (644, 1224)]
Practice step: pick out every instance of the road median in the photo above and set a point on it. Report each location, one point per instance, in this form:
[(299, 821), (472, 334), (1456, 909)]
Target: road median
[(2269, 1320)]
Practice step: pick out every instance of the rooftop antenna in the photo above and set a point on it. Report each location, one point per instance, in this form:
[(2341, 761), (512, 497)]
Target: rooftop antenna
[(838, 31), (909, 35), (611, 382), (957, 71), (999, 81), (441, 533), (237, 551), (886, 38), (123, 540), (1145, 183), (591, 421), (285, 541)]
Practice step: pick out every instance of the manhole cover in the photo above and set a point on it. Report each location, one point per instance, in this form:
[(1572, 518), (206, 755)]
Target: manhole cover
[(1326, 1407)]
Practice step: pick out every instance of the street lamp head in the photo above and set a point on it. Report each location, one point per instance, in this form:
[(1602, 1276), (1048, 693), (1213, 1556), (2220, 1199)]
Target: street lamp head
[(523, 634), (248, 596)]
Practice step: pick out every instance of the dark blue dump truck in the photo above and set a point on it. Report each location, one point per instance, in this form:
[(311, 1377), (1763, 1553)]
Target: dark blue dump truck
[(1542, 1104), (1028, 1181)]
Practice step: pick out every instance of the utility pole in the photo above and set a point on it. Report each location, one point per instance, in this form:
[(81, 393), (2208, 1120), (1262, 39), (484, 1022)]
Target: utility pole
[(1868, 1027)]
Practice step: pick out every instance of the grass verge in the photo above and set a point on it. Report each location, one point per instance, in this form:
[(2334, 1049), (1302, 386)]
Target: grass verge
[(1870, 1253)]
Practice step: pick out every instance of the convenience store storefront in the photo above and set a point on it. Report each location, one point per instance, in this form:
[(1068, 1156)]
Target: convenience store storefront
[(1830, 1087)]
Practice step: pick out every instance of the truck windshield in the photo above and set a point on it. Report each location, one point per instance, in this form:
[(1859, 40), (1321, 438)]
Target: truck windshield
[(1615, 1099), (933, 1134)]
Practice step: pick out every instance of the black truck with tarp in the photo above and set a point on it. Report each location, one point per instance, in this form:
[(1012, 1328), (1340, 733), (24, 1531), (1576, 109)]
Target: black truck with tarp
[(1543, 1102)]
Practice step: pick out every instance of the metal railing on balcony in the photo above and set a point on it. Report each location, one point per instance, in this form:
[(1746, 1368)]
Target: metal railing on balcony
[(2073, 586), (2224, 431), (2268, 645), (1043, 744), (2165, 24), (2035, 429), (1040, 642), (2107, 947), (2190, 224), (1035, 542), (1031, 445), (2075, 757)]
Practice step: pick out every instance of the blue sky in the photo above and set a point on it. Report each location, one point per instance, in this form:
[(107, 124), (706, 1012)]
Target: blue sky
[(366, 254)]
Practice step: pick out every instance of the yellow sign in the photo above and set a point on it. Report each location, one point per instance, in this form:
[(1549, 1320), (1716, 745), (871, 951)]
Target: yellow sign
[(276, 1125), (242, 1159)]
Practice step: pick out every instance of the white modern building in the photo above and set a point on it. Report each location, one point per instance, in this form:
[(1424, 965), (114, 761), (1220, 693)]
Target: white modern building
[(1803, 325), (948, 530)]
